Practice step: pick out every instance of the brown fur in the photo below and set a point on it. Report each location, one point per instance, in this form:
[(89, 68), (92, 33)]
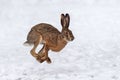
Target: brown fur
[(50, 37)]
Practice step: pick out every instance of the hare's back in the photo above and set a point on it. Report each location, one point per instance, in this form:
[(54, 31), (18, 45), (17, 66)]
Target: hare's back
[(44, 28), (48, 32)]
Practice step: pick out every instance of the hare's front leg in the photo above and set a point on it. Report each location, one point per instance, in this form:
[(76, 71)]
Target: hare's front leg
[(43, 53)]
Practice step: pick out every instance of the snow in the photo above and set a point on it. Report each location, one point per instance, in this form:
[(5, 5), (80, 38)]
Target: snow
[(93, 55)]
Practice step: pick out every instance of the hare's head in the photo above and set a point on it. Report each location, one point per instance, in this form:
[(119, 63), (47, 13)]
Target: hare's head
[(65, 20)]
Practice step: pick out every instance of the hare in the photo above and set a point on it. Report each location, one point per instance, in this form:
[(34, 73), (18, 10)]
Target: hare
[(50, 37)]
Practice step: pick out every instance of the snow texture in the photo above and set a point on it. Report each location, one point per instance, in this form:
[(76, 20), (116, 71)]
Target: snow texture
[(93, 55)]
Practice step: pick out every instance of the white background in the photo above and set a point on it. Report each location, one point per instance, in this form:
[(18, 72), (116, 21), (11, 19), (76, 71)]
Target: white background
[(93, 55)]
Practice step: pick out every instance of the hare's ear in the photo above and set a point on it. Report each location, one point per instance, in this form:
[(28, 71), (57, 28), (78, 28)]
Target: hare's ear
[(63, 21), (67, 19)]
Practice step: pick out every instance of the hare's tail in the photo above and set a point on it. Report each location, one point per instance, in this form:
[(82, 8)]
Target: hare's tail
[(27, 43)]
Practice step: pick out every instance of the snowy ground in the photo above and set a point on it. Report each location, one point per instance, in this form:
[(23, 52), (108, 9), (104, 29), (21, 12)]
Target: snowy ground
[(93, 55)]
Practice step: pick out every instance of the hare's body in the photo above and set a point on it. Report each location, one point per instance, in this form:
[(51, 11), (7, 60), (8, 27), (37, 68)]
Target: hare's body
[(50, 37)]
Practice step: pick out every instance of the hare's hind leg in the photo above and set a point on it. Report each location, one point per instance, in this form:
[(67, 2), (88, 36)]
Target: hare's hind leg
[(43, 53), (33, 53), (48, 60)]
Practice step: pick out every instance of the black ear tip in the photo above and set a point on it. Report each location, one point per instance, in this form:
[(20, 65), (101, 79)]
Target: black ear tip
[(67, 14), (62, 14)]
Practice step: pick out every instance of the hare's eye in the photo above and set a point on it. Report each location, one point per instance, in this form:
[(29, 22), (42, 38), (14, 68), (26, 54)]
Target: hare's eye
[(66, 34)]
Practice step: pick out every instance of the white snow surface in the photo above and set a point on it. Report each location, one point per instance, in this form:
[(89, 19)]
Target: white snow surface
[(93, 55)]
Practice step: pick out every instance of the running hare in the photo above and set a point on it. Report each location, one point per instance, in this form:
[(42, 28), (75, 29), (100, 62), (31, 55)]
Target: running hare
[(50, 37)]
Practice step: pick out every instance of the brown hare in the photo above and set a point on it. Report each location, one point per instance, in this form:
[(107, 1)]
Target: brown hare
[(50, 37)]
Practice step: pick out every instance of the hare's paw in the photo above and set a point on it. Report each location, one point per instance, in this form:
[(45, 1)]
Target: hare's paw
[(48, 60), (39, 59)]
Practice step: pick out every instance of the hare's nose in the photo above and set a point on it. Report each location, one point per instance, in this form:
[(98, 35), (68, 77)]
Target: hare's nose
[(72, 39)]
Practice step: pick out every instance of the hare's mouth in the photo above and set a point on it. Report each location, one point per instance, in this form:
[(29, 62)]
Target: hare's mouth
[(69, 40)]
